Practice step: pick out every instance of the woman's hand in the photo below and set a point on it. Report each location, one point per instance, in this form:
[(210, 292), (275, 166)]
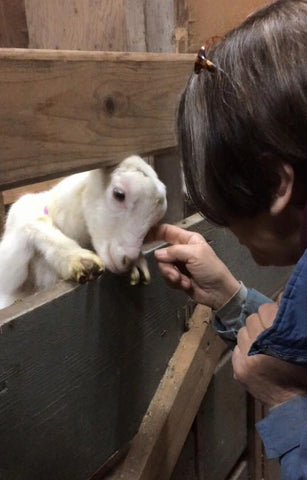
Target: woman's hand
[(190, 264), (268, 379)]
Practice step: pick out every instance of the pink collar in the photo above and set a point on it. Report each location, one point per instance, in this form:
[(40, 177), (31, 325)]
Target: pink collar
[(46, 211)]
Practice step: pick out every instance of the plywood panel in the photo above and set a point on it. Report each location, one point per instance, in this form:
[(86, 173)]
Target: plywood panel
[(198, 20), (70, 111), (13, 24)]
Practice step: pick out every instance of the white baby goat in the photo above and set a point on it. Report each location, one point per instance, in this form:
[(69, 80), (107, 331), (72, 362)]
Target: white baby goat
[(47, 235)]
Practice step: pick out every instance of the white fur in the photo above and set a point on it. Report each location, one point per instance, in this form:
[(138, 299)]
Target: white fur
[(41, 246)]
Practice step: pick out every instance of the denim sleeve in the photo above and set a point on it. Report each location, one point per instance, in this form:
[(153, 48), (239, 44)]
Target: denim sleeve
[(284, 435), (231, 317)]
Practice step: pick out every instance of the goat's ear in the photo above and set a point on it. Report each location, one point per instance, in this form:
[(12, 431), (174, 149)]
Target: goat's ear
[(285, 189)]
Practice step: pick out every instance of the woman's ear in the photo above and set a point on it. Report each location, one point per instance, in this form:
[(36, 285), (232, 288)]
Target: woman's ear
[(284, 192)]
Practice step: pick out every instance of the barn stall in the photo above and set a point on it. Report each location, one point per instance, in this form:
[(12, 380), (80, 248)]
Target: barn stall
[(105, 380)]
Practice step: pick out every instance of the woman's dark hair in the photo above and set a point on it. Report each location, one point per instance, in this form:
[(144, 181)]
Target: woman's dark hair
[(237, 125)]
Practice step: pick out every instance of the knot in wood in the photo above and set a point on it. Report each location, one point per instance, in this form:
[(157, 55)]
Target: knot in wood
[(109, 105)]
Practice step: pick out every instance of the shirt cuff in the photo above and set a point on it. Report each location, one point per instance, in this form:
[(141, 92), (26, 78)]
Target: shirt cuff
[(230, 311), (282, 429)]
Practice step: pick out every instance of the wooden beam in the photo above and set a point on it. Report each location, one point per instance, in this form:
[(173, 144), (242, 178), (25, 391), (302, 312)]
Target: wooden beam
[(165, 427), (67, 111)]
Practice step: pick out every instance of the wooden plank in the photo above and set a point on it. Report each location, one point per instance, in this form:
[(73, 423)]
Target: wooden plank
[(160, 26), (157, 445), (77, 24), (135, 26), (221, 424), (182, 29), (13, 24), (120, 25), (204, 18), (63, 112)]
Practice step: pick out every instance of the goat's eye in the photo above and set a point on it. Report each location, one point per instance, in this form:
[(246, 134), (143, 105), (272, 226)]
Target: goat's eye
[(119, 194)]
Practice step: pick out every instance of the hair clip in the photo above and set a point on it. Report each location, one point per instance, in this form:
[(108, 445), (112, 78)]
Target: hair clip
[(202, 62)]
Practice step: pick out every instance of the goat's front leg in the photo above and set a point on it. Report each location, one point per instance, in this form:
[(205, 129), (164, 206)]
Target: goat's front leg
[(140, 272), (62, 253)]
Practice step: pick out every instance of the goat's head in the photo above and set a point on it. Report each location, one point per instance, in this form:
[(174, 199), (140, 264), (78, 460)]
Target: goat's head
[(134, 200)]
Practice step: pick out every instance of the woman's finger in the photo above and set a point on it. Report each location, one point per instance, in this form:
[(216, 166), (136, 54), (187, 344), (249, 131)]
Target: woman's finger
[(254, 325), (267, 313), (244, 341), (174, 277), (181, 254), (175, 235)]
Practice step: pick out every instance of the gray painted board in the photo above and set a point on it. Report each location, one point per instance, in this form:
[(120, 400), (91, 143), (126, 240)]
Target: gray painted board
[(77, 374)]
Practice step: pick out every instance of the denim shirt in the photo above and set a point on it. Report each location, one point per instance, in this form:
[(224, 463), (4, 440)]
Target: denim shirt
[(284, 430)]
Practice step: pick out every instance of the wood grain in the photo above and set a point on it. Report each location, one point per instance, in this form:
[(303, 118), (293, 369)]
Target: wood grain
[(77, 24), (63, 112)]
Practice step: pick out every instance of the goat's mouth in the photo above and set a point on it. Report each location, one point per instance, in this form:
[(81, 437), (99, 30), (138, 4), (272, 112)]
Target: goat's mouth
[(119, 264)]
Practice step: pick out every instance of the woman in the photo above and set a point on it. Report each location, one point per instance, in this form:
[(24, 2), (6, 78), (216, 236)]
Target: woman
[(242, 127)]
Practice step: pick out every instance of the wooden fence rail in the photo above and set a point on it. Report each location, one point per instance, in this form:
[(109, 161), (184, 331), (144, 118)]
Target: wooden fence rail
[(67, 111)]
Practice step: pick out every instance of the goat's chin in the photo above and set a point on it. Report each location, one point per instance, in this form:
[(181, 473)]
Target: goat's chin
[(112, 267)]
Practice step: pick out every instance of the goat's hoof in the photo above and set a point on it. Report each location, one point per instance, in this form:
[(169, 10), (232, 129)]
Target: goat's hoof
[(87, 268)]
